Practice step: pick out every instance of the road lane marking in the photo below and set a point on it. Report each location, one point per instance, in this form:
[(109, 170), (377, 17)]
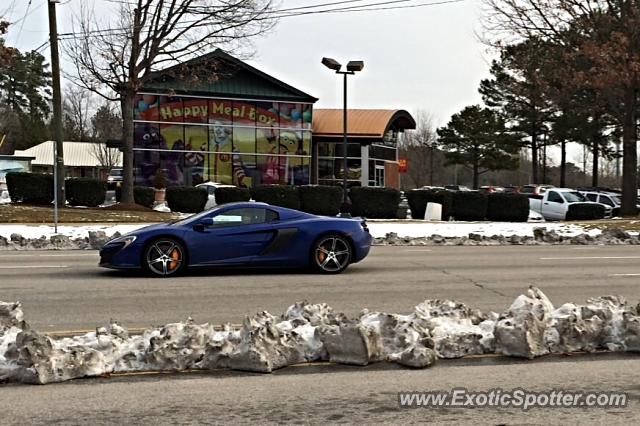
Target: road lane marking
[(624, 275), (49, 255), (589, 257), (33, 266)]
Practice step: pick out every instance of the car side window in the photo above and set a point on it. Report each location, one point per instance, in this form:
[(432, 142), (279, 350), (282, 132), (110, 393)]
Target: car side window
[(246, 216), (592, 197), (555, 197), (606, 200), (211, 190)]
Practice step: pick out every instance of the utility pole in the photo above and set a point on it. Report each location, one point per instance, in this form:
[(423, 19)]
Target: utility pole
[(58, 159)]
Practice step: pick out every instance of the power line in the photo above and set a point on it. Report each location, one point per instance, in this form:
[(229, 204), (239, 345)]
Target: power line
[(24, 18), (379, 6)]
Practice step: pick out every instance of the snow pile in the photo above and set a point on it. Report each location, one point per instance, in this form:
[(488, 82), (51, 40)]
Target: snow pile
[(4, 197), (530, 327)]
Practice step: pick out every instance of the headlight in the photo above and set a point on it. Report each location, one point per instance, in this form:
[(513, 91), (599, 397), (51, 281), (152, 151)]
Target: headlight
[(110, 179), (127, 240)]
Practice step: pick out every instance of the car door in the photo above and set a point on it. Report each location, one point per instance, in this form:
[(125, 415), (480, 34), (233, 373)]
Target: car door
[(554, 206), (234, 236)]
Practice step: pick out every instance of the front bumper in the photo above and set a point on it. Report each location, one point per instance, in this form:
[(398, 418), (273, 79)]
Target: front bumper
[(117, 256)]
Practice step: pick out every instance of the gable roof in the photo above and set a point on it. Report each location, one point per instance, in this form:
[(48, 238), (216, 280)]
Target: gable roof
[(363, 124), (233, 79), (76, 154)]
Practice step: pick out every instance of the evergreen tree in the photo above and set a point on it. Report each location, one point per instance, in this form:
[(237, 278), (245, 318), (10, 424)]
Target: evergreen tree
[(479, 139)]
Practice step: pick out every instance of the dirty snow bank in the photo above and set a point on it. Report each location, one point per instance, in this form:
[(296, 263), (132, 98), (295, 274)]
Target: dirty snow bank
[(530, 327)]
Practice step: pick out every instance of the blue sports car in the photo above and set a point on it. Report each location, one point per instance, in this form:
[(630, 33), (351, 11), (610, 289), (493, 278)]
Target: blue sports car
[(242, 234)]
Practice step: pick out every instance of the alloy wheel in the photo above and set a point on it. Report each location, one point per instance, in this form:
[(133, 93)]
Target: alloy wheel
[(332, 254), (165, 257)]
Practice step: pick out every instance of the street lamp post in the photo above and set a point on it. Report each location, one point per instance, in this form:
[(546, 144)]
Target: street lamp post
[(352, 68)]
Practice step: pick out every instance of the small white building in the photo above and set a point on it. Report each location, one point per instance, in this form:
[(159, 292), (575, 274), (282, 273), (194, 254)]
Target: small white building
[(81, 159)]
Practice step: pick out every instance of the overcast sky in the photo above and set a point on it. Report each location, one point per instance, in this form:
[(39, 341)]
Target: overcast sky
[(418, 58), (426, 58)]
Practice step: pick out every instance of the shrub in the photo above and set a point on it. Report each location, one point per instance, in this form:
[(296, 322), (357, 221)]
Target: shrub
[(85, 191), (319, 199), (277, 195), (507, 207), (375, 203), (469, 205), (142, 195), (226, 195), (419, 198), (32, 188), (186, 199), (585, 211)]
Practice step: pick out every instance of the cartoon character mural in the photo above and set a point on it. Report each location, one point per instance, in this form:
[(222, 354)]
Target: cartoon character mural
[(226, 165), (283, 166)]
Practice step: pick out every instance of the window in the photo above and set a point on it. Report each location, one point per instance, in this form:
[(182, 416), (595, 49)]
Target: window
[(554, 197), (592, 197), (606, 200), (246, 216)]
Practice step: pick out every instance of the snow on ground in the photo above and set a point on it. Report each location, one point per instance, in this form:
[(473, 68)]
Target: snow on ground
[(416, 229), (72, 231), (378, 228)]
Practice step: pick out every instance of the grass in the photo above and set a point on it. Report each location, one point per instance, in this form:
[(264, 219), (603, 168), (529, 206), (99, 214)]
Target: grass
[(20, 213)]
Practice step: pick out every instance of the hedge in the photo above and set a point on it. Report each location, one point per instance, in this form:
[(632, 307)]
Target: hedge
[(226, 195), (507, 207), (277, 195), (585, 211), (142, 195), (31, 188), (469, 205), (374, 203), (419, 198), (186, 199), (85, 191), (320, 199)]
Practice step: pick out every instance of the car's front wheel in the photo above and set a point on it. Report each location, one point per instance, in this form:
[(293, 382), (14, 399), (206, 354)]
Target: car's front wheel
[(164, 257), (331, 254)]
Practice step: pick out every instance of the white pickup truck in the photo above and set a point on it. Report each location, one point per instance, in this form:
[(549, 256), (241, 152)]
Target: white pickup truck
[(555, 202)]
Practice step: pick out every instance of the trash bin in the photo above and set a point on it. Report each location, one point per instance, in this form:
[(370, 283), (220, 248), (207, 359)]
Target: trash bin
[(433, 212)]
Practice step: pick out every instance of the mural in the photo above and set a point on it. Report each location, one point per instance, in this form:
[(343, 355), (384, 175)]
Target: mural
[(244, 143)]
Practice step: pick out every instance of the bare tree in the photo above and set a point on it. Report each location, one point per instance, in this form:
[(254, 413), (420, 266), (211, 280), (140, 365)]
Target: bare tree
[(116, 57), (108, 158), (419, 146), (78, 106), (605, 35)]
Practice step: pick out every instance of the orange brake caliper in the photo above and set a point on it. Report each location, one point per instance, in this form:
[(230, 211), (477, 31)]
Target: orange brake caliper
[(322, 256), (175, 255)]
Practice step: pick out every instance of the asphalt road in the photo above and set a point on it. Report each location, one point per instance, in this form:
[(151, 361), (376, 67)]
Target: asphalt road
[(65, 290)]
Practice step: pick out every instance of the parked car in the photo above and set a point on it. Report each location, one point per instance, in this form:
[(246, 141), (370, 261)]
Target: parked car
[(610, 199), (488, 189), (242, 234), (555, 203), (431, 187), (210, 187), (510, 189), (535, 190), (115, 178), (457, 188)]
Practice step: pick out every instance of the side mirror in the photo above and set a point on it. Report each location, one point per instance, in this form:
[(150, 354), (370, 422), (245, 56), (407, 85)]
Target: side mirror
[(203, 224)]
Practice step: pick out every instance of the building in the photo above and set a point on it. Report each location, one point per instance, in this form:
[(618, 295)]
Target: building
[(247, 128), (81, 159)]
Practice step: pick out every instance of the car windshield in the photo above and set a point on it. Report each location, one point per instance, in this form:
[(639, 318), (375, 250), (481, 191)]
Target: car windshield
[(616, 199), (527, 189), (115, 172), (574, 197)]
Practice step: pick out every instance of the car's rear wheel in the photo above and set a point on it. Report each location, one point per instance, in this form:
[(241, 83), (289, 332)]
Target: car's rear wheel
[(164, 257), (331, 254)]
